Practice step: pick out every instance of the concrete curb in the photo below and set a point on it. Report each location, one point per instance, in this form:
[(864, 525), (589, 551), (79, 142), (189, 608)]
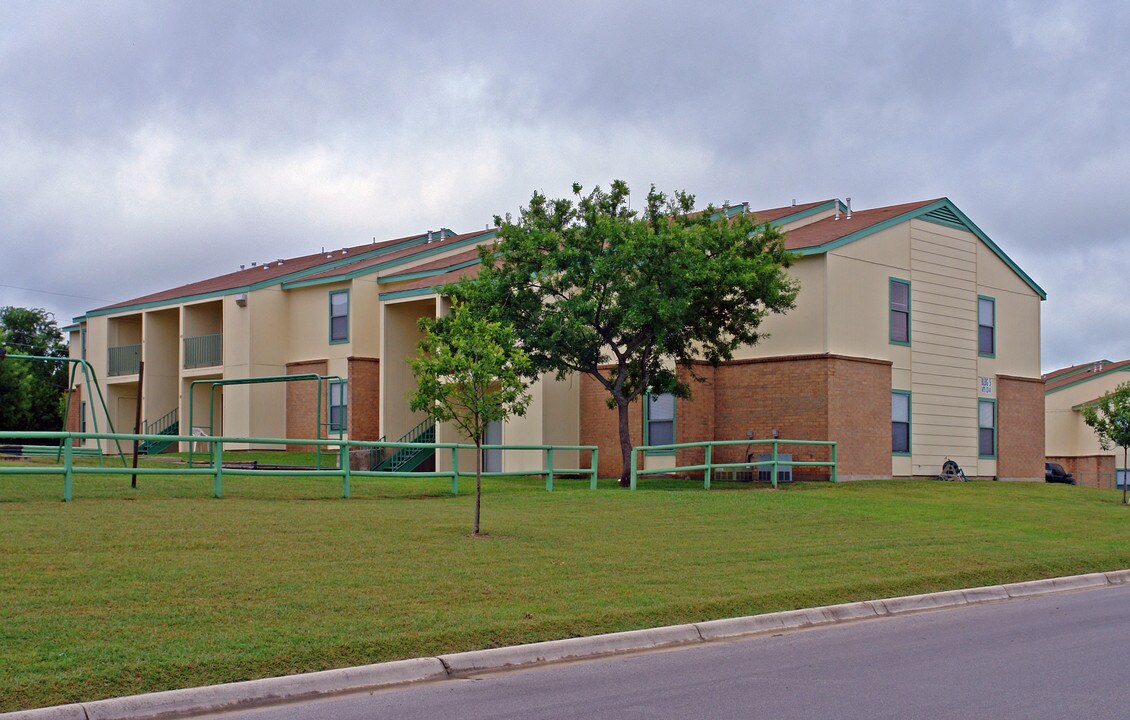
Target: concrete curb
[(251, 693)]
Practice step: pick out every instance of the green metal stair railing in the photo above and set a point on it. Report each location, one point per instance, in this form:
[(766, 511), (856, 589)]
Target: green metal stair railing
[(408, 459), (167, 424)]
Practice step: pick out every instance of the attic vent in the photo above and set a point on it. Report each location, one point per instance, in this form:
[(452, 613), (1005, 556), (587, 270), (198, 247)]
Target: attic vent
[(944, 216)]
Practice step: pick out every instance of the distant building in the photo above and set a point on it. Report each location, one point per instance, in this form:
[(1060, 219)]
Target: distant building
[(915, 339), (1069, 440)]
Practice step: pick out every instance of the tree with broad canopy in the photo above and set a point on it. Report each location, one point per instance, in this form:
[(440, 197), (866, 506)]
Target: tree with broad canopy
[(591, 286)]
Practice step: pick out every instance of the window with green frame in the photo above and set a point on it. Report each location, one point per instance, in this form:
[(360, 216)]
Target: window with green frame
[(659, 420), (82, 416), (900, 422), (338, 406), (339, 316), (987, 428), (986, 326), (900, 311)]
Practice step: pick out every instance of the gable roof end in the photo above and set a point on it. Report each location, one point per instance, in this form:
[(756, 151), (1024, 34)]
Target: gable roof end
[(829, 234)]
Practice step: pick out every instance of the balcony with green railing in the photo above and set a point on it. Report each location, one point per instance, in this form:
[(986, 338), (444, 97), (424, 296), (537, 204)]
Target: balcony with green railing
[(203, 351), (124, 360)]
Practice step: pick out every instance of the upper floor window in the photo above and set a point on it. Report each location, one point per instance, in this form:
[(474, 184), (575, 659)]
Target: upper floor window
[(660, 425), (900, 311), (339, 316), (986, 326), (900, 422), (986, 428), (338, 406)]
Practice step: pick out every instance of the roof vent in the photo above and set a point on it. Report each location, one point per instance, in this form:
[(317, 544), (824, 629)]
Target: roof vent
[(280, 261), (429, 236), (345, 251), (1099, 366), (848, 216), (253, 263), (241, 267), (837, 204)]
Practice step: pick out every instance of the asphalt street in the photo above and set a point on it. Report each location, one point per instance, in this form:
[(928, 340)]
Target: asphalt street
[(1061, 655)]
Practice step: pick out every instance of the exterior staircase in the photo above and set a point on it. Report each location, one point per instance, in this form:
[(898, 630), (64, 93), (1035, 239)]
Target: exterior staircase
[(408, 459), (167, 424)]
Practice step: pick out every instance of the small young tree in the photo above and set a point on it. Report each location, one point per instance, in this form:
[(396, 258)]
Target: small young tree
[(594, 287), (1110, 419), (470, 372)]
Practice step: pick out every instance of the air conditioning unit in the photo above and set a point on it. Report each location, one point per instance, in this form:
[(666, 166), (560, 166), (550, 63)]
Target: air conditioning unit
[(784, 472)]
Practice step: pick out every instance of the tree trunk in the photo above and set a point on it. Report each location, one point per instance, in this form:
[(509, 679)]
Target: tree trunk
[(625, 443), (478, 481)]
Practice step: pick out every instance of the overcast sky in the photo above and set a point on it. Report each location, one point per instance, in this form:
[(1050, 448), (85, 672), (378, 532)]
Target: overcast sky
[(144, 145)]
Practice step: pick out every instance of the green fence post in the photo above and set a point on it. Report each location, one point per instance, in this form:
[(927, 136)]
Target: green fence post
[(632, 473), (706, 472), (774, 464), (455, 471), (834, 445), (68, 470), (217, 449), (343, 461), (549, 474), (595, 462)]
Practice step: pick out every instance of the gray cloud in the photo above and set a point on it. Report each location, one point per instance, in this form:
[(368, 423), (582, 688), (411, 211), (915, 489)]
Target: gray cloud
[(150, 144)]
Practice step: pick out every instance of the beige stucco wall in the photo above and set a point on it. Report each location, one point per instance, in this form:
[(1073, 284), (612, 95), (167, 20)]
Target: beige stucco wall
[(802, 329), (399, 338), (161, 355), (364, 310)]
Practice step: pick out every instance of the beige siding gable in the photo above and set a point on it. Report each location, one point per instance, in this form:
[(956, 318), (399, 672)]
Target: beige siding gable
[(943, 322)]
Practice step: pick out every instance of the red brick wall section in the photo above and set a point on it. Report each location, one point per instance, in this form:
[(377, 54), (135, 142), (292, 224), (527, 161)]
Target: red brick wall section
[(809, 397), (1095, 471), (302, 401), (812, 397), (73, 421), (364, 398), (599, 426), (859, 416), (1020, 428), (694, 416)]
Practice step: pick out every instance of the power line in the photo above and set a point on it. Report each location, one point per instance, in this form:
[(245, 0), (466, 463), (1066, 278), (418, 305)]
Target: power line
[(49, 292)]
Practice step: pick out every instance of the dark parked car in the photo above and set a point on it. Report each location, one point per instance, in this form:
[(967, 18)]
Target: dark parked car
[(1054, 472)]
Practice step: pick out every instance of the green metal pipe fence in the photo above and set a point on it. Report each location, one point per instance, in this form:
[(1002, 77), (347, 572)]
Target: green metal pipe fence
[(215, 467), (774, 461)]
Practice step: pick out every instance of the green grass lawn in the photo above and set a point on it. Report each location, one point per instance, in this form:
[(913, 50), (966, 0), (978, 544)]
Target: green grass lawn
[(126, 591)]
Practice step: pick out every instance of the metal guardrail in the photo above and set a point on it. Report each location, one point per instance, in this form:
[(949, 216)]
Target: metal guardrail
[(217, 471), (774, 461), (123, 360), (203, 351)]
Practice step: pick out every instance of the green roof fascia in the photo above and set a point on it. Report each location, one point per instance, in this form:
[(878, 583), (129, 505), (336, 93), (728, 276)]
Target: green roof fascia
[(822, 207), (1089, 377), (404, 277), (972, 227), (414, 292), (321, 267), (294, 284), (70, 328), (968, 225), (1086, 367)]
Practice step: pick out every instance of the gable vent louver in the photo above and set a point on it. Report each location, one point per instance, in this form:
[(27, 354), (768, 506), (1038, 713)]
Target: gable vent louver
[(944, 216)]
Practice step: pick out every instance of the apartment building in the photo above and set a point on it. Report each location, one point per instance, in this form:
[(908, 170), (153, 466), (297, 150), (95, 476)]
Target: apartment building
[(915, 339), (1069, 440)]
